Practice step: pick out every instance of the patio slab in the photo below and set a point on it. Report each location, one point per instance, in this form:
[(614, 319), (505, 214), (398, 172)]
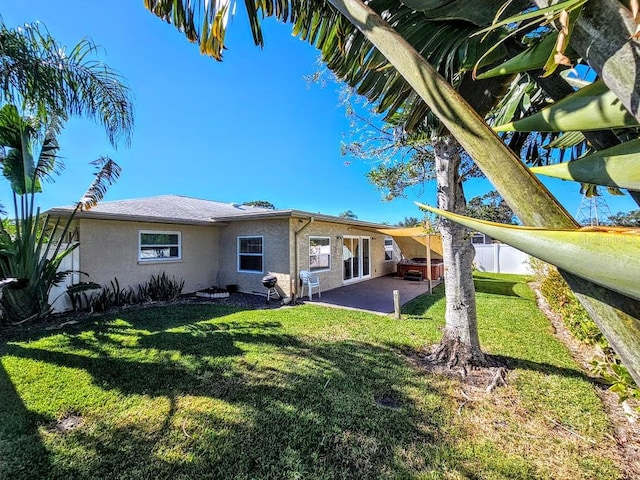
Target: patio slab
[(374, 295)]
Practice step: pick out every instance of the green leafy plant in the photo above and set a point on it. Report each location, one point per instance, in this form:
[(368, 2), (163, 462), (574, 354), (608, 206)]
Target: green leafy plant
[(616, 374), (161, 288), (77, 295), (35, 249), (563, 302), (44, 85), (113, 296)]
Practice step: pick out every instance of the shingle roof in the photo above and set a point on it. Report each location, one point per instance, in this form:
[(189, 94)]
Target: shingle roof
[(179, 209), (169, 208)]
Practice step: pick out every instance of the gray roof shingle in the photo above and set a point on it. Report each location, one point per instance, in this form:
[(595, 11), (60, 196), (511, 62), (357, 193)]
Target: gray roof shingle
[(172, 208), (179, 209)]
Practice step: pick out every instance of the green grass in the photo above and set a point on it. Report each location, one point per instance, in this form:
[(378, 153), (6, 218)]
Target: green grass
[(202, 391)]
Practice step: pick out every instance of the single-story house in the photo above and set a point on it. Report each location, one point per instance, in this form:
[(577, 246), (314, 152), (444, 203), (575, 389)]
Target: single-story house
[(208, 243)]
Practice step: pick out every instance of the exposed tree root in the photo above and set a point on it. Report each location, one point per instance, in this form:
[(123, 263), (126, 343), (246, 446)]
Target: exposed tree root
[(453, 357), (454, 354), (499, 379)]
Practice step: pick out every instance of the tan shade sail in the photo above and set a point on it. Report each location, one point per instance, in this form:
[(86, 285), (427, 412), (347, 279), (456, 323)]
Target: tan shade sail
[(413, 241)]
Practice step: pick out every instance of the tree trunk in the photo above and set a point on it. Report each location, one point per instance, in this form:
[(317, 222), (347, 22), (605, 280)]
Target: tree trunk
[(460, 344)]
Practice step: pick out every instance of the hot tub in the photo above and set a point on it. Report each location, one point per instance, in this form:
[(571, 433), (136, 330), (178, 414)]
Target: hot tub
[(420, 265)]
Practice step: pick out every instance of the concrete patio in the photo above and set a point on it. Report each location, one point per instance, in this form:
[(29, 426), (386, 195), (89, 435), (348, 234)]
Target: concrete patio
[(374, 295)]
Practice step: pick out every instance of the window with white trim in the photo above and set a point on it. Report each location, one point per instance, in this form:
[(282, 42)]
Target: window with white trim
[(159, 246), (319, 253), (388, 249), (250, 254)]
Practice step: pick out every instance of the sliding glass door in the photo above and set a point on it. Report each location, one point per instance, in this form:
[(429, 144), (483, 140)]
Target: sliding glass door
[(356, 258)]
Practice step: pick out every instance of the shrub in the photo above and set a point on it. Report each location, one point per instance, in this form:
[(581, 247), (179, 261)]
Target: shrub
[(563, 301), (160, 288), (113, 296)]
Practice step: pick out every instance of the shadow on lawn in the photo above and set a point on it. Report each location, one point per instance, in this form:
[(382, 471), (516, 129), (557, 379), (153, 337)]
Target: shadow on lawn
[(495, 286), (545, 368), (19, 438), (307, 409)]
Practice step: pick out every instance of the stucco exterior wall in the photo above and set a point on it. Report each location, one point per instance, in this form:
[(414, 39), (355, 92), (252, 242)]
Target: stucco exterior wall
[(333, 278), (109, 249), (275, 235)]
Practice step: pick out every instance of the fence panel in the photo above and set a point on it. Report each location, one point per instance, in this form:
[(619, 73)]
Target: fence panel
[(502, 258), (57, 298)]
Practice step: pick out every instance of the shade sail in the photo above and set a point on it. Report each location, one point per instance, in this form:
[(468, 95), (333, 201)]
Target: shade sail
[(413, 241)]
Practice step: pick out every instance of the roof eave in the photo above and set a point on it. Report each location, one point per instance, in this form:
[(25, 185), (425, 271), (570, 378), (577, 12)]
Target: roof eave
[(61, 212)]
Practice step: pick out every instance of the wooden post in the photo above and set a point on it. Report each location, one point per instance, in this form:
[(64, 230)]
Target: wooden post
[(429, 262), (396, 304)]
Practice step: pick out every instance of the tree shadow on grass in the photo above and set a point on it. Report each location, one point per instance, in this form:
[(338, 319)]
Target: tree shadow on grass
[(153, 319), (20, 446), (495, 286), (304, 409), (544, 368)]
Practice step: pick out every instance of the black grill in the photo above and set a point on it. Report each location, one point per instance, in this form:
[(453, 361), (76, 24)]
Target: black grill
[(269, 281)]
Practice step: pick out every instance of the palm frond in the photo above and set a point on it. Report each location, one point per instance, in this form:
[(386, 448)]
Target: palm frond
[(108, 173), (595, 254), (482, 14), (40, 74)]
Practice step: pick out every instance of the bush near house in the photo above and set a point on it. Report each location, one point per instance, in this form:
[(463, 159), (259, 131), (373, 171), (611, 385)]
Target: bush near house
[(159, 288), (563, 302)]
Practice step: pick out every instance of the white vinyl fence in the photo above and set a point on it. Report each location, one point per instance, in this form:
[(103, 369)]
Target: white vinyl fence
[(57, 295), (501, 258)]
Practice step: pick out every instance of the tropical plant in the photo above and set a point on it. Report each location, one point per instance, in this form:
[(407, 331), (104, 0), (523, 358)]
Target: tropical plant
[(77, 295), (160, 288), (43, 85), (44, 79), (35, 251), (616, 315)]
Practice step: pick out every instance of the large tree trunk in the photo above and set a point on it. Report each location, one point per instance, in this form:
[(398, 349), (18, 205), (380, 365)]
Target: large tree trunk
[(460, 344)]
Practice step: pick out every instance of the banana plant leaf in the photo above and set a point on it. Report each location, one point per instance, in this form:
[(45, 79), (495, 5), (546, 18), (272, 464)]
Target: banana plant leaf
[(482, 13), (608, 256), (593, 107), (531, 59), (566, 140), (618, 166)]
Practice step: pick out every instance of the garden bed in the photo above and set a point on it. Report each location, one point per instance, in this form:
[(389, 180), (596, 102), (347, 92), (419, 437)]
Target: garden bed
[(213, 292)]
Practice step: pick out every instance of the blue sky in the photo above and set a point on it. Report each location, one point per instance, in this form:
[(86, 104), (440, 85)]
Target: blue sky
[(249, 128)]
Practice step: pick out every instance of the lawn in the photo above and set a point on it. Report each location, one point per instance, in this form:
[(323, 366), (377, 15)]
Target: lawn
[(306, 392)]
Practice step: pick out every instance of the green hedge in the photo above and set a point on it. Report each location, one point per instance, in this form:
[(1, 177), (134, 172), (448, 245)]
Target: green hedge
[(562, 301)]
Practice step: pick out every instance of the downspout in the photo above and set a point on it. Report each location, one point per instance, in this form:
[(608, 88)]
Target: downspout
[(294, 280)]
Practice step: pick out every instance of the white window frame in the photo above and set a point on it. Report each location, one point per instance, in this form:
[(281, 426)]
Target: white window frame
[(319, 237), (389, 250), (160, 259), (249, 254)]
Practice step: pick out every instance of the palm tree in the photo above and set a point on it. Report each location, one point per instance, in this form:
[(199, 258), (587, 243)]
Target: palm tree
[(43, 85), (618, 316), (44, 79)]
